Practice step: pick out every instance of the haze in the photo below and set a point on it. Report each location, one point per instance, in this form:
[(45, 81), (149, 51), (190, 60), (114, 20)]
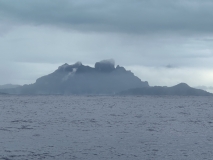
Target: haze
[(163, 42)]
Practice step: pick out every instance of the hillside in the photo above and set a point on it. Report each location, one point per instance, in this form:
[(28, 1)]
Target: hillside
[(181, 89), (104, 78)]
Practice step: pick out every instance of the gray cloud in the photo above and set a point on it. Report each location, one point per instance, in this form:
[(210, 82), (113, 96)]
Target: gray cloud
[(209, 88), (135, 16), (205, 87), (48, 45), (169, 66), (37, 36)]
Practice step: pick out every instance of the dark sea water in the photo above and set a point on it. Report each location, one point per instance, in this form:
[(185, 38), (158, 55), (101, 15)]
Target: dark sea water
[(106, 127)]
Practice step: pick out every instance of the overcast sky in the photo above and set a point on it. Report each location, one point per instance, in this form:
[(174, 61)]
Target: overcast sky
[(164, 42)]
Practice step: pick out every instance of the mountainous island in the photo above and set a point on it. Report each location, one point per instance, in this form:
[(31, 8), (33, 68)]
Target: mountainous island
[(103, 78), (7, 86), (181, 89)]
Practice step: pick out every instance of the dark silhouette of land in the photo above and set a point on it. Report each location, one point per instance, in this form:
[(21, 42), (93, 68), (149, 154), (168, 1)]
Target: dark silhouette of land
[(104, 78), (7, 86), (181, 89)]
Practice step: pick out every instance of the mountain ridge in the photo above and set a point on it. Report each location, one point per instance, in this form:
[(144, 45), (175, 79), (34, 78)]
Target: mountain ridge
[(181, 89), (103, 78), (7, 86)]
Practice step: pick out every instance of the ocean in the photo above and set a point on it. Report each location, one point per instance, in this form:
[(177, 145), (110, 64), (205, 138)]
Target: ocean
[(55, 127)]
